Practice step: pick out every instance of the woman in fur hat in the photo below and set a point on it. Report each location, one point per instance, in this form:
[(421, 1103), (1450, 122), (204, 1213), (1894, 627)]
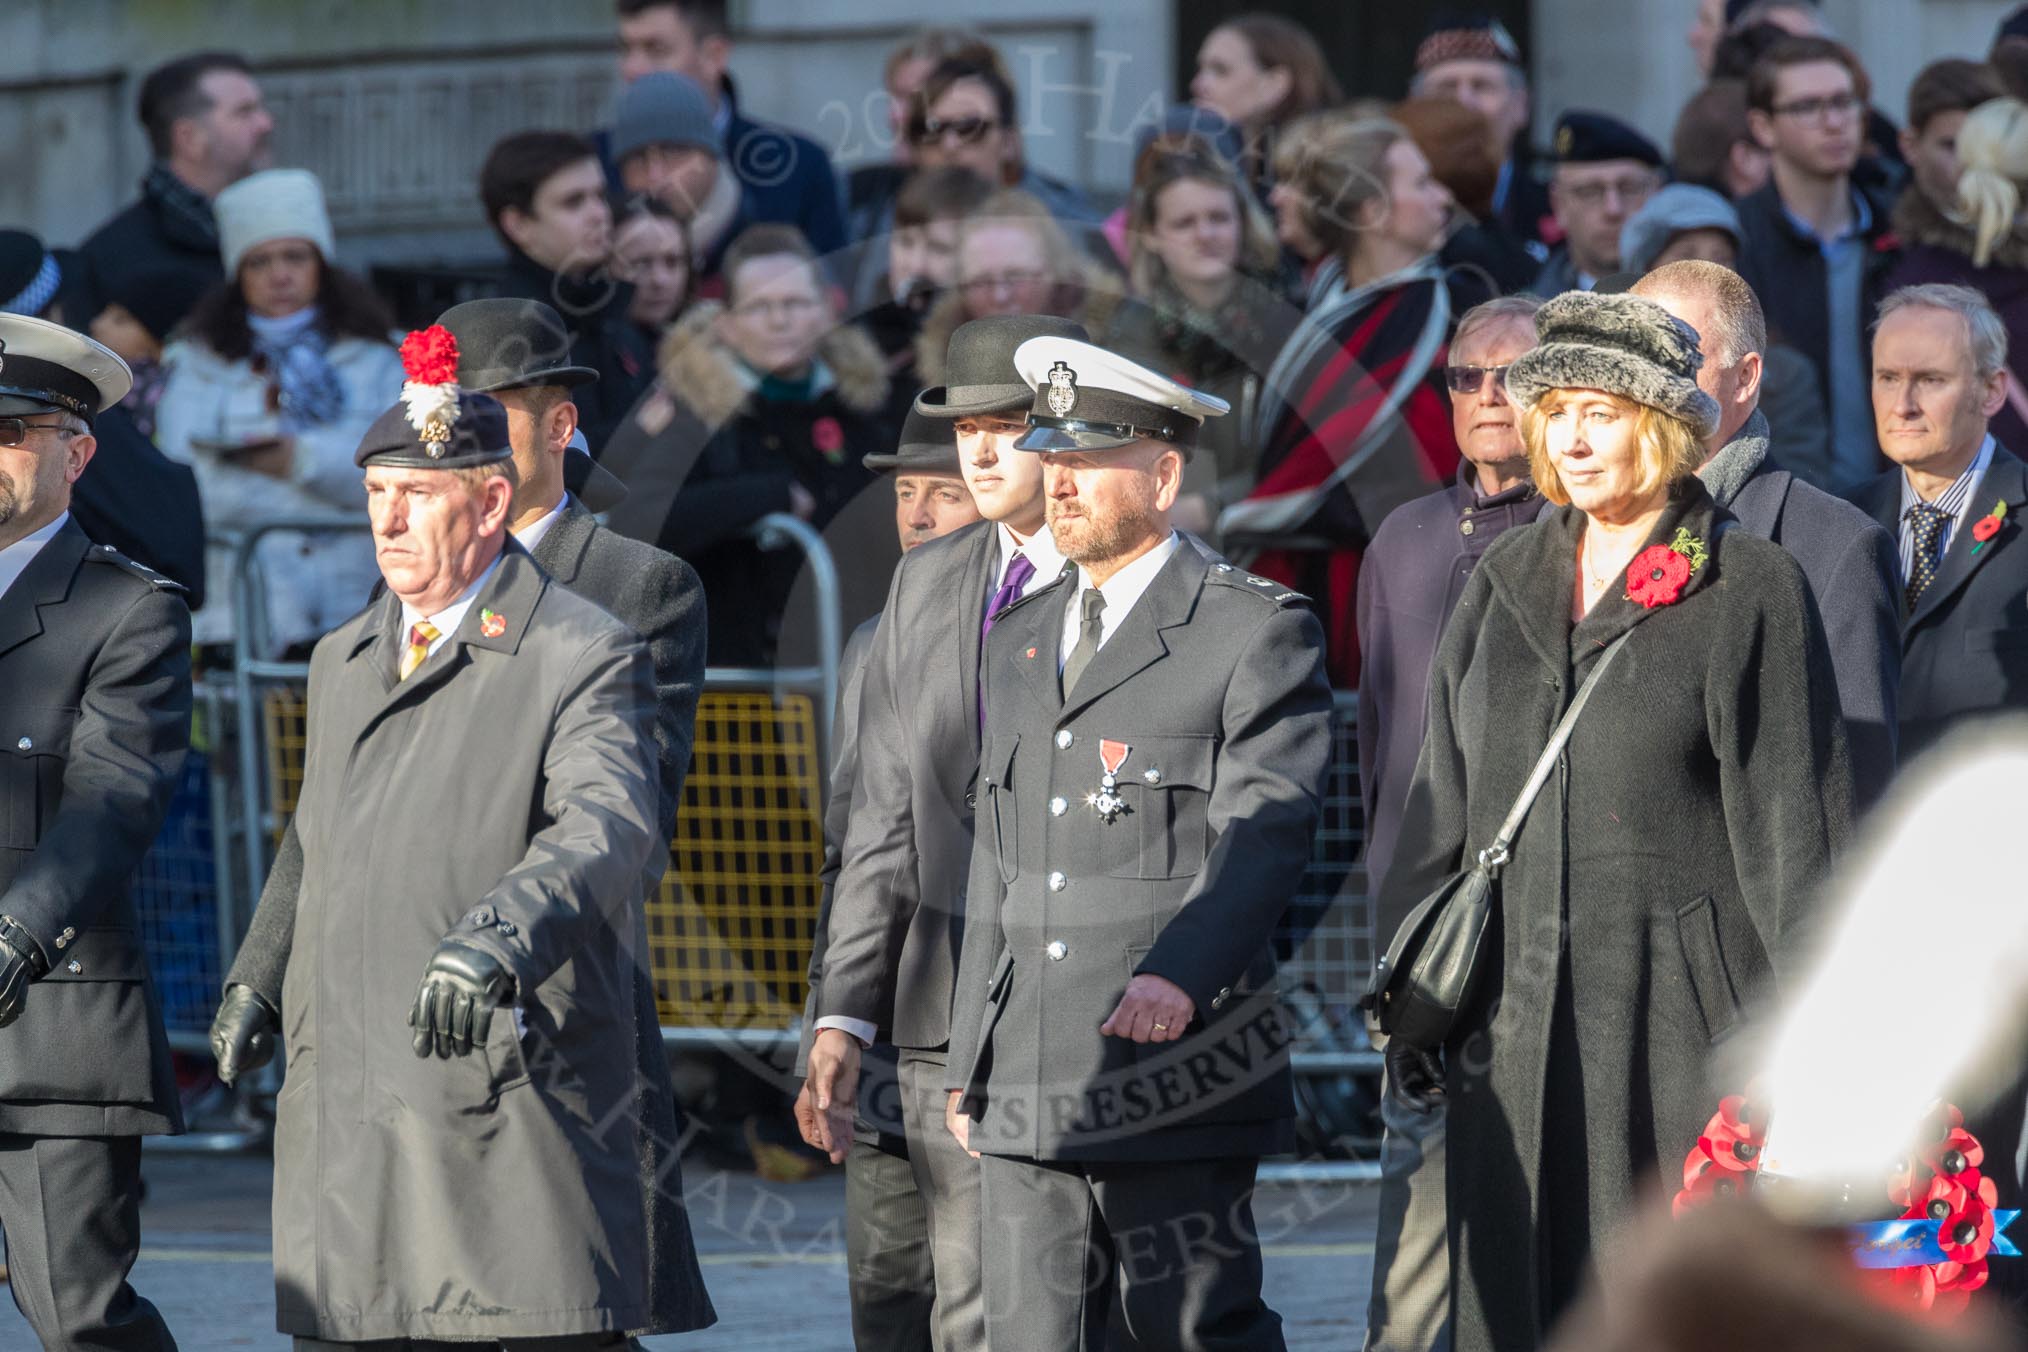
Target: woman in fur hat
[(765, 404), (1663, 876), (1983, 244)]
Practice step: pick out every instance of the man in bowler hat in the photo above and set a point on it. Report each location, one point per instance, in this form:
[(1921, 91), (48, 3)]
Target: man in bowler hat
[(889, 1270), (897, 911), (94, 725), (1157, 732)]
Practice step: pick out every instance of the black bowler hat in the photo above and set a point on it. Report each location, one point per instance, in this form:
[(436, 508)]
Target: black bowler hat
[(1587, 138), (476, 435), (979, 374), (928, 446), (507, 343), (45, 367)]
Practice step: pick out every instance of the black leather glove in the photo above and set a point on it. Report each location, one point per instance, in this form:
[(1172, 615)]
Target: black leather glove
[(243, 1034), (1414, 1077), (21, 961), (454, 1006)]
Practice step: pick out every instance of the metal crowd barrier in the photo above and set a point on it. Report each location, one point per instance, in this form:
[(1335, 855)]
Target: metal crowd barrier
[(731, 925)]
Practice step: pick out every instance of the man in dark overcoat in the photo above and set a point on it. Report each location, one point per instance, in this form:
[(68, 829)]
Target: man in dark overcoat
[(94, 724), (897, 915), (457, 1160), (1846, 557), (519, 351), (1157, 731), (1954, 501)]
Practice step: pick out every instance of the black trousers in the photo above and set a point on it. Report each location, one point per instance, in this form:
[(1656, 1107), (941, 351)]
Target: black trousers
[(1174, 1240), (71, 1206)]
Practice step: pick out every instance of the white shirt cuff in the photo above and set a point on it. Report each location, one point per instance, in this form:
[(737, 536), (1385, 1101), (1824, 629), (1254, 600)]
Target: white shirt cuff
[(860, 1029)]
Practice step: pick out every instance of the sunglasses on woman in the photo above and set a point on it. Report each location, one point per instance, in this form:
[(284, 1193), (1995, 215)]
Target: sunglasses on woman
[(967, 130), (1467, 379)]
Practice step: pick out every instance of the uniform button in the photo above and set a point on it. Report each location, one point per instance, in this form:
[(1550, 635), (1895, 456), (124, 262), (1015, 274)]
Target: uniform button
[(1057, 882), (1063, 740), (1224, 994), (65, 937), (74, 967), (971, 799), (1057, 951), (506, 927), (1152, 775), (1057, 807), (1224, 567), (1464, 528), (28, 744)]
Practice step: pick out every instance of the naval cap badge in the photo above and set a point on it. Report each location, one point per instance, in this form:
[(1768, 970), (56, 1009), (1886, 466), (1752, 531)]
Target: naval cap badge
[(1062, 390)]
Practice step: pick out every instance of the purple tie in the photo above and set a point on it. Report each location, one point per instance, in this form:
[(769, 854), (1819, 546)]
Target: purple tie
[(1018, 573)]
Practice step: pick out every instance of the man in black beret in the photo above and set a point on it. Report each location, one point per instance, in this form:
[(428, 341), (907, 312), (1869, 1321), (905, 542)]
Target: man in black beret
[(1605, 171), (94, 725), (519, 352), (455, 1155)]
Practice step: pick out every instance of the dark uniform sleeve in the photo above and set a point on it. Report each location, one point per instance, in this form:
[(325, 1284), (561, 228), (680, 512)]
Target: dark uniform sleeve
[(598, 854), (125, 755), (1266, 795)]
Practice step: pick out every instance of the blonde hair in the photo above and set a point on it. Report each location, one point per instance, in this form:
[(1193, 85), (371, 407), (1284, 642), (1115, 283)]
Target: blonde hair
[(1666, 448), (1993, 163)]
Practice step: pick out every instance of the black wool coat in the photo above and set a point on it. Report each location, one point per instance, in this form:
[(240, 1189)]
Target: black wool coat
[(1661, 881)]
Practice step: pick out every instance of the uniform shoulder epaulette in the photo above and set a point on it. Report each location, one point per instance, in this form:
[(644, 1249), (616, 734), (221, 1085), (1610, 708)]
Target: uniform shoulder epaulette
[(1267, 589), (107, 554)]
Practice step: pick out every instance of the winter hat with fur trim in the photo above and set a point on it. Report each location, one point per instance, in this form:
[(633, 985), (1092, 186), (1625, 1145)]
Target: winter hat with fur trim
[(1621, 344), (272, 204)]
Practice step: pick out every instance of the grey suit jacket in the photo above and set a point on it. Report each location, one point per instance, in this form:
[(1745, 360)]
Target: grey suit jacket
[(94, 724), (1212, 701), (654, 593), (1965, 646), (897, 912), (1853, 572)]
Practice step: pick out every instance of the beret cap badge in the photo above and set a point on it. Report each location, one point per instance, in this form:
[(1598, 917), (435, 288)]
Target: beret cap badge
[(1062, 390), (429, 391)]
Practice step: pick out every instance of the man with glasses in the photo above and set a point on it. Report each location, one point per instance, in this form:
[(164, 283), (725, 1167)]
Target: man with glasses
[(1811, 247), (966, 116), (95, 663), (1410, 579), (1604, 172)]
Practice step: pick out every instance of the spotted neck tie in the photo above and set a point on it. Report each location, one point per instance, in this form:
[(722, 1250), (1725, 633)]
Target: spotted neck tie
[(1925, 530), (420, 635)]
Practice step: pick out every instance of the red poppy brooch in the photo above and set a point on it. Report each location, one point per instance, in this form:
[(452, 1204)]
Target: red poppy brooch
[(1944, 1219), (1658, 573), (829, 438), (1987, 526)]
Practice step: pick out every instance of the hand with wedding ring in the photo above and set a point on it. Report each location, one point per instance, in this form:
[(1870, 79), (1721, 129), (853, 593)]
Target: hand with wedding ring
[(1154, 1009)]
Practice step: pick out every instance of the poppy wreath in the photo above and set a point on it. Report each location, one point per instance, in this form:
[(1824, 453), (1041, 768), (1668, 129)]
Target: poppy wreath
[(1933, 1255), (1658, 573)]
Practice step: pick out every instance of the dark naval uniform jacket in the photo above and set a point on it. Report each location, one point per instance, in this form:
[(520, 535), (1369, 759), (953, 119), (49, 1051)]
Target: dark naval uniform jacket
[(1214, 686), (94, 725)]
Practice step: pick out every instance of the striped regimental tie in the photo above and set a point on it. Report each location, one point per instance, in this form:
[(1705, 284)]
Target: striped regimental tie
[(420, 635)]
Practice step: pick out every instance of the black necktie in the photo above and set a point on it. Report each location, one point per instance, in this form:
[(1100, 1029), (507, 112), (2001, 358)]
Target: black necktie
[(1088, 636), (1925, 528)]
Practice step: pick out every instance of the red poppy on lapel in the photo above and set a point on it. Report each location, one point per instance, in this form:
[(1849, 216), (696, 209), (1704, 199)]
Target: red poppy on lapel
[(492, 623)]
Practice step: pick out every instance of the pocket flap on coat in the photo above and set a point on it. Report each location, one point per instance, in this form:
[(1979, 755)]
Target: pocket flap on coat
[(36, 730)]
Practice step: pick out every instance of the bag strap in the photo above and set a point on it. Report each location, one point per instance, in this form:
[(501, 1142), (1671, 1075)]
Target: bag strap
[(1496, 855)]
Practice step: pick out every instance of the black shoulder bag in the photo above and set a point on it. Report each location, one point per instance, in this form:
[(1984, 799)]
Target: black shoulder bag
[(1433, 965)]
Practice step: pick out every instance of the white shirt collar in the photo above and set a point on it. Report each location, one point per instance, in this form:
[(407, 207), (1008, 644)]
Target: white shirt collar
[(447, 620), (1955, 498), (531, 535), (1041, 551), (1121, 591), (15, 558)]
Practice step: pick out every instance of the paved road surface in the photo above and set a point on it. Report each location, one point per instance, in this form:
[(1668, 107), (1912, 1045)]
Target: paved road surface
[(772, 1253)]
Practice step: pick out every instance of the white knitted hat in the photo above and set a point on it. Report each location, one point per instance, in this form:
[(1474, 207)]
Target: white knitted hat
[(272, 204)]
